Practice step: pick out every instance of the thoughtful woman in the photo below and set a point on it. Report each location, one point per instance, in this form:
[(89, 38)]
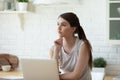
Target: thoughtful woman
[(73, 53)]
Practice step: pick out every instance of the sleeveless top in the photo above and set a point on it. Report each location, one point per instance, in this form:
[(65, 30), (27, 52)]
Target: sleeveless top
[(67, 62)]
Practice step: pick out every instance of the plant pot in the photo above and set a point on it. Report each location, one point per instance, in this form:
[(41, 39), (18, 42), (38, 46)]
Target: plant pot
[(98, 69), (98, 73), (22, 6)]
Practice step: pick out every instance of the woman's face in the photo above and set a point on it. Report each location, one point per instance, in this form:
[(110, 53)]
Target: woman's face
[(64, 28)]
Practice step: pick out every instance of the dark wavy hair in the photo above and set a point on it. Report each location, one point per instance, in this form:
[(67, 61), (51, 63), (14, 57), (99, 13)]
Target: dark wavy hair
[(74, 22)]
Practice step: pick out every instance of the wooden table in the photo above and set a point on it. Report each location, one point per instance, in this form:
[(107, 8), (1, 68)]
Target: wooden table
[(11, 75), (20, 74), (109, 77)]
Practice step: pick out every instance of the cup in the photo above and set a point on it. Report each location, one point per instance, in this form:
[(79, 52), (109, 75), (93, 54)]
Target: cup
[(6, 68)]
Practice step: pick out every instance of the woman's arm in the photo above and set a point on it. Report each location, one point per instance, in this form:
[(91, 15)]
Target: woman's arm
[(51, 53), (80, 65), (54, 52)]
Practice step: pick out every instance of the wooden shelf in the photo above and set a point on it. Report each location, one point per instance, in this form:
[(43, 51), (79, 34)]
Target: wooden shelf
[(13, 12)]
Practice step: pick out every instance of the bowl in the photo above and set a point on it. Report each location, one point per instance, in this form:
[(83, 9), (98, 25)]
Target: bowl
[(6, 68)]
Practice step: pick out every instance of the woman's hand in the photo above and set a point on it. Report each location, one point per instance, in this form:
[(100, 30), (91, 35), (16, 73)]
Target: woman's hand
[(58, 44)]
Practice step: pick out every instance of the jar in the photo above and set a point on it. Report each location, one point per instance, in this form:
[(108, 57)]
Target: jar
[(9, 5)]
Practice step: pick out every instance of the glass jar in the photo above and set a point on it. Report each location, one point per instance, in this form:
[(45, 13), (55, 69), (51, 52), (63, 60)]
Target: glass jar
[(9, 5)]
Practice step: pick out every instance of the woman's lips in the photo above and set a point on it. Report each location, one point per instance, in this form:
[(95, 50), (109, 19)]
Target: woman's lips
[(59, 32)]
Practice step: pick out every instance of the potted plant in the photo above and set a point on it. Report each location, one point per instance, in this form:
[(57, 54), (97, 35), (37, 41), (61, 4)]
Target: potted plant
[(98, 70), (22, 0), (99, 62), (22, 5)]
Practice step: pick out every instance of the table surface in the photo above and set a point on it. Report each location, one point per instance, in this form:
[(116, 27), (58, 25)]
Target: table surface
[(12, 75), (20, 74), (109, 77)]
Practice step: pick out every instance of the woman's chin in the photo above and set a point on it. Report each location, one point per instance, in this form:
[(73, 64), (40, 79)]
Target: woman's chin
[(60, 36)]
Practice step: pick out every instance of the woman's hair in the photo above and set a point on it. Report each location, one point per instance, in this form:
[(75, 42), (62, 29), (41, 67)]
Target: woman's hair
[(74, 22)]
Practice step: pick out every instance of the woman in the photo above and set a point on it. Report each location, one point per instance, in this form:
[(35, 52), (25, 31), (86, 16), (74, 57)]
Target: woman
[(73, 53)]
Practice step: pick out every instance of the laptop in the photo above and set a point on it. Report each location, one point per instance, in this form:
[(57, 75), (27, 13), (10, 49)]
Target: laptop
[(39, 69)]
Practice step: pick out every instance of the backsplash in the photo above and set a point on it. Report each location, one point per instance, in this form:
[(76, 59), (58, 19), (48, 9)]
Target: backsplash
[(40, 30)]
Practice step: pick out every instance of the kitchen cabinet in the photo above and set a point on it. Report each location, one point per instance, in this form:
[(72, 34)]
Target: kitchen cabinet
[(113, 22)]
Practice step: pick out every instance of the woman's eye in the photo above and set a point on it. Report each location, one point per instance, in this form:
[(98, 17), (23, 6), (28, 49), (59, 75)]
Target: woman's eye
[(63, 24)]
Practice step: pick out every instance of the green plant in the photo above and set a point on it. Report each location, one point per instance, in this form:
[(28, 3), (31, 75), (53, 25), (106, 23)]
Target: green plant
[(99, 62), (22, 0)]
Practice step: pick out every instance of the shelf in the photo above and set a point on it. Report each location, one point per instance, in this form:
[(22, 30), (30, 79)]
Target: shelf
[(3, 12)]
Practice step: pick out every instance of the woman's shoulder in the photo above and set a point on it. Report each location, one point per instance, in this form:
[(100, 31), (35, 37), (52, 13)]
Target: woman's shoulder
[(85, 44), (80, 42)]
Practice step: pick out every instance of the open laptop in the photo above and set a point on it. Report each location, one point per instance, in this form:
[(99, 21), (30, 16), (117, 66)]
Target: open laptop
[(39, 69)]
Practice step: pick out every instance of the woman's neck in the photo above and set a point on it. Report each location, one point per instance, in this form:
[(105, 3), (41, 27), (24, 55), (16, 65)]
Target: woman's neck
[(69, 40), (68, 43)]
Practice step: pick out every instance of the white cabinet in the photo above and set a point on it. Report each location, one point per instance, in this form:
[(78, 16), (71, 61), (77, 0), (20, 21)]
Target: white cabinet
[(113, 21)]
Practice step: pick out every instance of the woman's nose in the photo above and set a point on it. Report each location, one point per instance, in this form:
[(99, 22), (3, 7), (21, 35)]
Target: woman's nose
[(59, 27)]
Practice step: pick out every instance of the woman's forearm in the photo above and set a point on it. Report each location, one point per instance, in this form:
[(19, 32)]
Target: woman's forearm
[(56, 53), (68, 76)]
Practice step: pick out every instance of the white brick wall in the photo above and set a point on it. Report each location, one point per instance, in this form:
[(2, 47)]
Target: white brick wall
[(40, 31)]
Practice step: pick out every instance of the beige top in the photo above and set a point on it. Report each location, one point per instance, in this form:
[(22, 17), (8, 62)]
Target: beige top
[(68, 61)]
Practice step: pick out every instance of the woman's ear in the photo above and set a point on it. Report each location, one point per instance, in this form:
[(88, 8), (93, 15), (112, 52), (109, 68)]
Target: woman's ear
[(74, 29)]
